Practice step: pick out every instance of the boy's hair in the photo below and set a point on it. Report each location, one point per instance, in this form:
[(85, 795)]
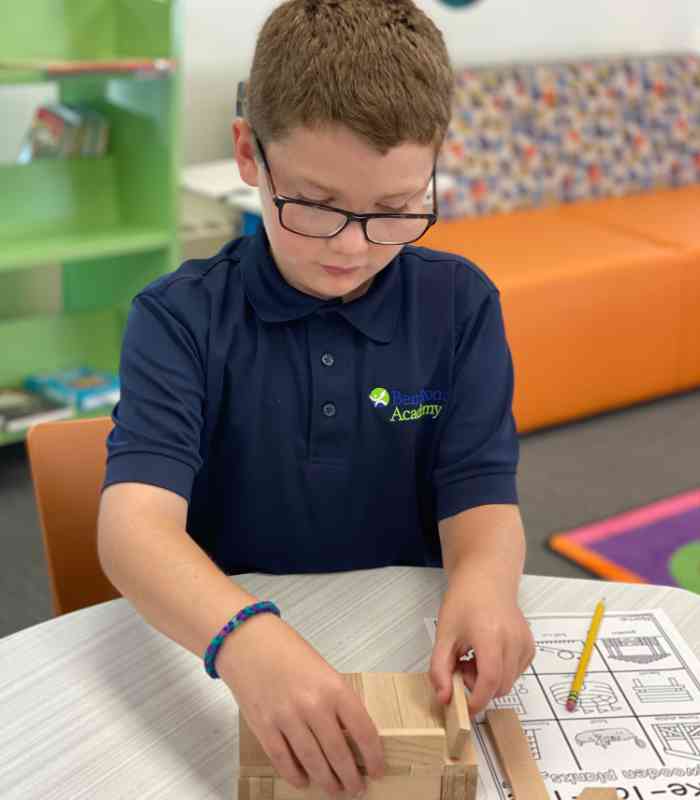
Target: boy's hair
[(378, 67)]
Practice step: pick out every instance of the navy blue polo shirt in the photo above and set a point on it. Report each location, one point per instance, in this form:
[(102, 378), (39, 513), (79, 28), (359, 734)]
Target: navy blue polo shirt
[(313, 435)]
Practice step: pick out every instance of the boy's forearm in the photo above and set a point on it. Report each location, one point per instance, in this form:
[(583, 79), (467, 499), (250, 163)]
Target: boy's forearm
[(170, 580), (484, 545)]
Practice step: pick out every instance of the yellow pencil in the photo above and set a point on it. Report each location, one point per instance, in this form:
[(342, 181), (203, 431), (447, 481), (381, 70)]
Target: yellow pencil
[(572, 699)]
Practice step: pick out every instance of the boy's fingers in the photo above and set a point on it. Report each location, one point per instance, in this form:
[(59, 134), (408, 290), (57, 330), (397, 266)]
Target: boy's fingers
[(284, 761), (510, 671), (469, 673), (313, 760), (442, 665), (529, 652), (358, 723), (339, 756), (489, 671)]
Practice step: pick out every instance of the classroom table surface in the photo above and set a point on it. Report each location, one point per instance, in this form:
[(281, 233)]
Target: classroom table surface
[(97, 704)]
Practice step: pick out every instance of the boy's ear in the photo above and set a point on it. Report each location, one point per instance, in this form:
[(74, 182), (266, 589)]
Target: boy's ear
[(244, 152)]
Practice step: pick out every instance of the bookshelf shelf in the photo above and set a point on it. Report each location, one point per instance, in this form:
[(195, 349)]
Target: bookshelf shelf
[(111, 223), (62, 245), (10, 77), (58, 341), (30, 71), (13, 438)]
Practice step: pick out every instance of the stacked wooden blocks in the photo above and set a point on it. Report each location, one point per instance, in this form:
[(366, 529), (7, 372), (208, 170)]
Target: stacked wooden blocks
[(418, 736), (428, 749)]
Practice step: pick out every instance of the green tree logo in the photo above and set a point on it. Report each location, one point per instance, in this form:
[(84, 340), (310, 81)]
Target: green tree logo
[(379, 396)]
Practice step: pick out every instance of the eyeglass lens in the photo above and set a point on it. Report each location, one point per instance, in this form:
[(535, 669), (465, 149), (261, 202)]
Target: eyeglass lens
[(310, 221)]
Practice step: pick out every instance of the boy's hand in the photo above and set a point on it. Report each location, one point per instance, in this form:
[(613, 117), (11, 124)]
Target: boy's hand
[(477, 615), (295, 703)]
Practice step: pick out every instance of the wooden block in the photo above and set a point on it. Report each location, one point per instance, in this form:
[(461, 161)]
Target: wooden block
[(381, 699), (514, 753), (399, 699), (457, 722), (454, 785), (257, 772), (256, 789), (409, 723), (459, 780), (407, 747), (418, 702), (459, 776), (598, 793), (412, 726), (423, 787)]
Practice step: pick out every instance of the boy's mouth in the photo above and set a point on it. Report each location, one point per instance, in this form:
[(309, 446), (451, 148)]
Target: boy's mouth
[(339, 270)]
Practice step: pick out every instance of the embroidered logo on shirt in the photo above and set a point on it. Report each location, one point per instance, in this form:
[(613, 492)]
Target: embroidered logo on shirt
[(379, 396), (409, 407)]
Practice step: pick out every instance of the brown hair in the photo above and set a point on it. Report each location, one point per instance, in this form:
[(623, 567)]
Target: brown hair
[(378, 67)]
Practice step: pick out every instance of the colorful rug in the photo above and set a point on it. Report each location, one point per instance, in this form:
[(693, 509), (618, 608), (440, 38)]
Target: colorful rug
[(658, 543)]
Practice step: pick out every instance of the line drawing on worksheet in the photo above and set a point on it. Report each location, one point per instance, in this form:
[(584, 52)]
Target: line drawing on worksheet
[(638, 711)]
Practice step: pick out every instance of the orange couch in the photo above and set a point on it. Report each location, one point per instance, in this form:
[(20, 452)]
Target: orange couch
[(601, 297), (601, 304)]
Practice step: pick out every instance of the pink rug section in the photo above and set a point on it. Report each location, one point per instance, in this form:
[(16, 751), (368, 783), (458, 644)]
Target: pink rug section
[(658, 543)]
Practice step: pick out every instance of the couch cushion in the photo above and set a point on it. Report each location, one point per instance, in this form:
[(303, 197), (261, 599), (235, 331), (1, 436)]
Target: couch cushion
[(671, 217), (591, 313), (667, 216), (533, 135)]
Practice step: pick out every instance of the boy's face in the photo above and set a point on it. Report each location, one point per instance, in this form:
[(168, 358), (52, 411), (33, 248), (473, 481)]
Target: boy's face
[(335, 167)]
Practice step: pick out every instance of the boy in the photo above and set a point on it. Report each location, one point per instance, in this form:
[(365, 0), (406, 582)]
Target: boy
[(324, 395)]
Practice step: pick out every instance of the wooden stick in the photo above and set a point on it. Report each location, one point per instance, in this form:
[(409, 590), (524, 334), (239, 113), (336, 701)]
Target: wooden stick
[(457, 725), (599, 793), (514, 751)]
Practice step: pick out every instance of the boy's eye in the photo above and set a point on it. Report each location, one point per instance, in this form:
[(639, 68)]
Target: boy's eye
[(314, 200), (329, 201)]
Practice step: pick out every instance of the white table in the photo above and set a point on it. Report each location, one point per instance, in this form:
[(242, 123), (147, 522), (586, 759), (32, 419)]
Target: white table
[(96, 705)]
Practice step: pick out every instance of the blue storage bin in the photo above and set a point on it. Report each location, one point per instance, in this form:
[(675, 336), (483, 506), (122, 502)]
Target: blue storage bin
[(250, 223)]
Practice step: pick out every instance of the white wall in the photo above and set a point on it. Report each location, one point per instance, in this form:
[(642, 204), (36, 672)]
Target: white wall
[(220, 38)]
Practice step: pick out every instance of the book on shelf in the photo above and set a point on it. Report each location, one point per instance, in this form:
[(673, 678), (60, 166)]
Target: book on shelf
[(68, 67), (20, 409), (64, 131), (84, 388)]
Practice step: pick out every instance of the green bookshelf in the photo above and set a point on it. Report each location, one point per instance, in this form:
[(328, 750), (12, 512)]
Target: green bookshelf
[(110, 222)]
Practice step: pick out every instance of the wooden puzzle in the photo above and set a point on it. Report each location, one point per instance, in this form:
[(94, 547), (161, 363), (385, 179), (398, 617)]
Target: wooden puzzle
[(428, 749)]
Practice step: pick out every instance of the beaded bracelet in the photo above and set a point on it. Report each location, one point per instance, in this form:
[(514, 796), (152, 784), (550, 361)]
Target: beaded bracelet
[(231, 625)]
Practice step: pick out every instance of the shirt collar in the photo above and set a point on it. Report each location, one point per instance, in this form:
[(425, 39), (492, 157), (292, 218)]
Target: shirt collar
[(375, 314)]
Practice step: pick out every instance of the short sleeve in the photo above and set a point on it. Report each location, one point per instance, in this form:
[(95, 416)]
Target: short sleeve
[(158, 420), (478, 451)]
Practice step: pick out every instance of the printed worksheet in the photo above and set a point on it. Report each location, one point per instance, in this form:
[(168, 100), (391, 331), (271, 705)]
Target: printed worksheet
[(637, 724)]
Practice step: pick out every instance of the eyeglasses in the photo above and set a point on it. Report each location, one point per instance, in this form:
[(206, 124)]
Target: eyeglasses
[(318, 221)]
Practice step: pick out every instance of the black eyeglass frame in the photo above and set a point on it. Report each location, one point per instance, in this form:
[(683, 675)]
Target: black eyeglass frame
[(281, 200)]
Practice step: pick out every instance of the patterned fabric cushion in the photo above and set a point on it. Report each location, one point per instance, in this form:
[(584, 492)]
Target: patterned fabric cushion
[(533, 135)]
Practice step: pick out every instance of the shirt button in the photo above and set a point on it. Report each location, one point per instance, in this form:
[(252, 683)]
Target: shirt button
[(329, 409), (327, 360)]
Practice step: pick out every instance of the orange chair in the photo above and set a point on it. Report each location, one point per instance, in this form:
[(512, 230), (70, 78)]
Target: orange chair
[(67, 461)]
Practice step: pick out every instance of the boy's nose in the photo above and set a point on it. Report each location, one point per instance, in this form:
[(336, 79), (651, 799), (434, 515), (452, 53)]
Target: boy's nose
[(350, 240)]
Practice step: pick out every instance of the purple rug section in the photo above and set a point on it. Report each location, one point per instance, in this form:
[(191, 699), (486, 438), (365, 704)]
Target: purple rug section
[(646, 550)]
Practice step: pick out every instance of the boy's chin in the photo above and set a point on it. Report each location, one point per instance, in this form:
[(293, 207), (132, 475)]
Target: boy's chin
[(333, 290), (348, 293)]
